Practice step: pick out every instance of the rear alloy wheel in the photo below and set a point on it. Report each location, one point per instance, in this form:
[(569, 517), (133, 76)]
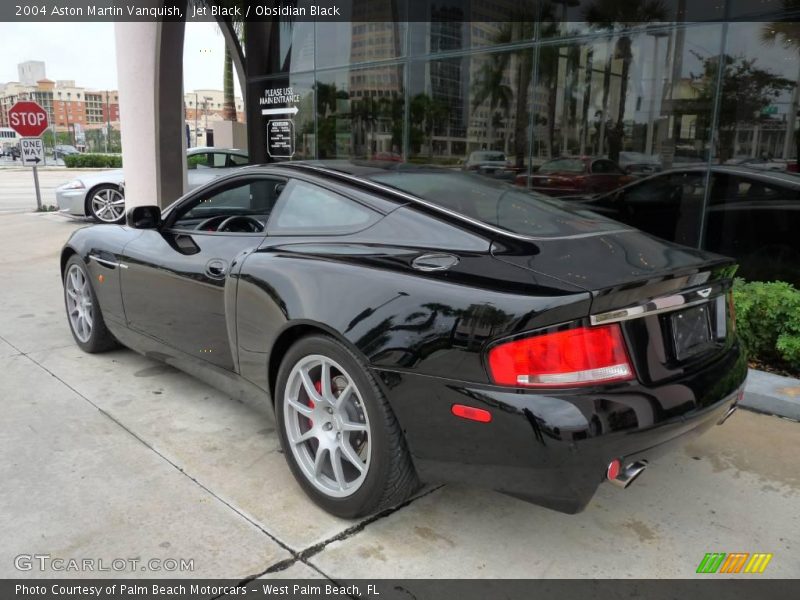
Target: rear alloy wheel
[(83, 311), (338, 433), (107, 204)]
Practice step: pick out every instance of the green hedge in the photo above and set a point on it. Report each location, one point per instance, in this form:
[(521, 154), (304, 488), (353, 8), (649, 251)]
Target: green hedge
[(768, 322), (197, 159), (107, 161)]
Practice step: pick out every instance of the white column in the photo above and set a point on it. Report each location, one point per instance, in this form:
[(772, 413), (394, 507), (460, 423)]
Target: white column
[(151, 112)]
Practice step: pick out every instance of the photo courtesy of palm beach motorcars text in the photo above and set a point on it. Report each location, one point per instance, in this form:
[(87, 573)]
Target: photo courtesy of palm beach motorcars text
[(390, 299), (194, 590)]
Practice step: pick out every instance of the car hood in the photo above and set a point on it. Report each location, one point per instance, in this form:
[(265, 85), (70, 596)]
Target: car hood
[(92, 178)]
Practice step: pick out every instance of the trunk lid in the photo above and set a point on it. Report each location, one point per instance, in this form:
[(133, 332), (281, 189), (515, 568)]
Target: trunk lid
[(641, 282)]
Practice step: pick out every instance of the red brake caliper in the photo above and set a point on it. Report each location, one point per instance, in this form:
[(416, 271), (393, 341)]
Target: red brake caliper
[(318, 387)]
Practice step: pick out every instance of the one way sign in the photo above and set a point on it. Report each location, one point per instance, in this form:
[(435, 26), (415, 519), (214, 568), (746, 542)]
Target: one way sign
[(31, 151)]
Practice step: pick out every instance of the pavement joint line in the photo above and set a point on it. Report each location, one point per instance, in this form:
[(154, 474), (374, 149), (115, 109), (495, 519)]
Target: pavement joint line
[(281, 565), (304, 555), (359, 527), (168, 461)]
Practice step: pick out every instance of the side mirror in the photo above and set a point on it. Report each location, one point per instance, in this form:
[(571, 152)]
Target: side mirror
[(143, 217)]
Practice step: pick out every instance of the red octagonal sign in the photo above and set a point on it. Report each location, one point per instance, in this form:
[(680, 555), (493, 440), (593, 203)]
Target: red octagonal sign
[(28, 119)]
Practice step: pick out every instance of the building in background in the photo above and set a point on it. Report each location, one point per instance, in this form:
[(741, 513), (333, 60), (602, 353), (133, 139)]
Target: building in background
[(78, 115), (31, 71), (203, 108)]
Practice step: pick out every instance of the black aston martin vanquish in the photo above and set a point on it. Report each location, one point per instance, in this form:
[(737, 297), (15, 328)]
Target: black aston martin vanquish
[(415, 324)]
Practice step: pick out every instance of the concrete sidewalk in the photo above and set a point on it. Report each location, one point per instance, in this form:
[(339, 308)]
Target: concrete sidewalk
[(772, 394), (116, 456)]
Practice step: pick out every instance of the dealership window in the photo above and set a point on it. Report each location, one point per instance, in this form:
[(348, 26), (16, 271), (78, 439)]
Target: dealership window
[(460, 108), (342, 43), (643, 98), (360, 113), (302, 86)]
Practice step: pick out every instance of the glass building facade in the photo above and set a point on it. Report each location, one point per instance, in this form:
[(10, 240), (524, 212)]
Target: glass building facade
[(646, 86)]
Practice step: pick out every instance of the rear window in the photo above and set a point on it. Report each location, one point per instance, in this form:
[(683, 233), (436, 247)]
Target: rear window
[(563, 165), (504, 206)]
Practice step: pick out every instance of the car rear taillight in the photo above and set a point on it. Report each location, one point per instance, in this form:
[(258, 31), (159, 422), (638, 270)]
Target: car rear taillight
[(579, 356)]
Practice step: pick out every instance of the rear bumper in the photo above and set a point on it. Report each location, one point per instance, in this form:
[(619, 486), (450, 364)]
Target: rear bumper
[(553, 448)]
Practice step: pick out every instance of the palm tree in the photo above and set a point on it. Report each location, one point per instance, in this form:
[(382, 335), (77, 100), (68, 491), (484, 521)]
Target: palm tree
[(237, 26), (425, 112), (607, 15), (520, 28), (490, 87)]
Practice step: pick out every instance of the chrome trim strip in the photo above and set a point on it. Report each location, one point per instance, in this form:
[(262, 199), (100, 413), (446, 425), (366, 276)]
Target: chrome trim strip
[(656, 306), (106, 262)]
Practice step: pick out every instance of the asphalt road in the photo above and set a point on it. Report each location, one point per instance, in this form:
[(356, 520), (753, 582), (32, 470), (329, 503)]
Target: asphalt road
[(115, 455)]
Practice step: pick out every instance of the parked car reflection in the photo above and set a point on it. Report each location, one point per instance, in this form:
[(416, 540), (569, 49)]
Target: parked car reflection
[(575, 175), (751, 215)]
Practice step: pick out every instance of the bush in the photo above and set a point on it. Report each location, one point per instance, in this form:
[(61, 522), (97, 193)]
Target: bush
[(102, 161), (197, 159), (768, 322)]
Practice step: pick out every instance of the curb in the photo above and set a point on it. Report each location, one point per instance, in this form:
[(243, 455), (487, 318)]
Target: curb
[(772, 394)]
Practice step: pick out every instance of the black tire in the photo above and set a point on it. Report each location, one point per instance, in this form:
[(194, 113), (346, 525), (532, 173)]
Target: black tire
[(111, 193), (390, 477), (99, 339)]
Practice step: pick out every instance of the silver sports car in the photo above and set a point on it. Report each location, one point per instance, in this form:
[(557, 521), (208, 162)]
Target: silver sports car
[(101, 195)]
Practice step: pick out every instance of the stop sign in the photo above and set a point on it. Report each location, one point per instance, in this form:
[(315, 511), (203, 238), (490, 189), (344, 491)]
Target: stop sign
[(28, 119)]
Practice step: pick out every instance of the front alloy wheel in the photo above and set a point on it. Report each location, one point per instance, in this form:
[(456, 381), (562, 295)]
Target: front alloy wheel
[(80, 306), (83, 311), (338, 432), (107, 204)]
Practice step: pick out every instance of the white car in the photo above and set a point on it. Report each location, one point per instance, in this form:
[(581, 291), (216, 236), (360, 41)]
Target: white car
[(101, 195)]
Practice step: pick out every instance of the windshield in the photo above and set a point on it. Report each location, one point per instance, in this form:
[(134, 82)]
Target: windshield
[(504, 206), (563, 165)]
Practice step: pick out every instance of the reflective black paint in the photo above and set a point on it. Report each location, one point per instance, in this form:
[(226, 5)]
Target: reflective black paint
[(425, 333)]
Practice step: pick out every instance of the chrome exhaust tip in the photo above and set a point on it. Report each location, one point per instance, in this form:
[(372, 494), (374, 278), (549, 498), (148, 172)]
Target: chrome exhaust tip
[(624, 476)]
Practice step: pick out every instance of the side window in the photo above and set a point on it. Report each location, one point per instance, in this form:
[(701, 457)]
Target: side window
[(238, 160), (756, 222), (218, 160), (251, 200), (605, 166), (199, 161), (305, 208)]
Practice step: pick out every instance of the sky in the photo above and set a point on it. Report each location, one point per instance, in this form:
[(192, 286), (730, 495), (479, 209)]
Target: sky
[(86, 53)]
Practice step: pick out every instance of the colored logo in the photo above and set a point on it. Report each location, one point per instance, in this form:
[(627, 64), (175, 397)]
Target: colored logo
[(735, 562)]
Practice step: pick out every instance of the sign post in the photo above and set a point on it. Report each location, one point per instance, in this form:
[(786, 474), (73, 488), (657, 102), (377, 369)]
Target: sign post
[(32, 153), (29, 120)]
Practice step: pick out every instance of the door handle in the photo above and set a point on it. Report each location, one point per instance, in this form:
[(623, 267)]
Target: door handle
[(216, 268)]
